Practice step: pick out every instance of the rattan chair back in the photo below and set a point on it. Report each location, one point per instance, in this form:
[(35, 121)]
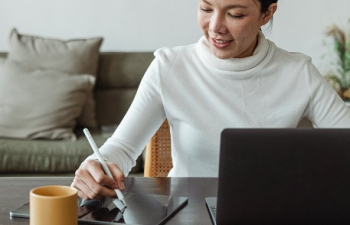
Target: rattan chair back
[(158, 161)]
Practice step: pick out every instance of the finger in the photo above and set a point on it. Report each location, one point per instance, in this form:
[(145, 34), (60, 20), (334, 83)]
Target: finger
[(117, 182), (117, 174), (81, 181), (96, 180), (75, 184), (81, 194), (99, 182), (86, 183)]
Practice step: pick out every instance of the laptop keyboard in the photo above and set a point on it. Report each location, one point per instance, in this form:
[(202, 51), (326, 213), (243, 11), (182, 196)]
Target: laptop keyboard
[(213, 211), (211, 203)]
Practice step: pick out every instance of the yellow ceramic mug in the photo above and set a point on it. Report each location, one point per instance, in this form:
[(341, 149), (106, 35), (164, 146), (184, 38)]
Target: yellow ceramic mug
[(54, 205)]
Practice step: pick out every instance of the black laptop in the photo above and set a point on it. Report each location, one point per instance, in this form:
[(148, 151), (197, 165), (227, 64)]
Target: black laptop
[(277, 176)]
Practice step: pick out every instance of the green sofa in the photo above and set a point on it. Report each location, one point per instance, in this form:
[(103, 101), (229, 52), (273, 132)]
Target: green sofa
[(119, 74)]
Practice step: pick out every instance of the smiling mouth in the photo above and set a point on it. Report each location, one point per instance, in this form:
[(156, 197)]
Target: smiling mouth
[(221, 43)]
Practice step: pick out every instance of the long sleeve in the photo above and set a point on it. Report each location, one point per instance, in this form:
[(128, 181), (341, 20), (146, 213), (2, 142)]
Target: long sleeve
[(143, 118), (326, 108)]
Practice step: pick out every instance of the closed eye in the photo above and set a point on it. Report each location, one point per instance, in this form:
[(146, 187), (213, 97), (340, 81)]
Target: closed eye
[(235, 16), (206, 10)]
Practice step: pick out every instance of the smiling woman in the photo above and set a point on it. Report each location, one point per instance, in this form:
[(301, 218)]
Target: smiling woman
[(232, 29), (232, 77)]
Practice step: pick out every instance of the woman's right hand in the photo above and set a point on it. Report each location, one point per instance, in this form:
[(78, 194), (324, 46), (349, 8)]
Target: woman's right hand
[(92, 183)]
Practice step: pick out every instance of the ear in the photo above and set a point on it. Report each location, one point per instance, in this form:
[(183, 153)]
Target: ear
[(269, 13)]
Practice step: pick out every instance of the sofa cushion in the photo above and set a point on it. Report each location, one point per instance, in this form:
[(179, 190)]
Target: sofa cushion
[(118, 78), (40, 104), (76, 56), (119, 70), (38, 156)]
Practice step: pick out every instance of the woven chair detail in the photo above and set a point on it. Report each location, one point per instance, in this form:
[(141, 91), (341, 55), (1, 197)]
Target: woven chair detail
[(158, 161)]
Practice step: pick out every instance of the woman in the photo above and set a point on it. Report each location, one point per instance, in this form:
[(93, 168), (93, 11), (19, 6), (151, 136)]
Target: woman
[(233, 77)]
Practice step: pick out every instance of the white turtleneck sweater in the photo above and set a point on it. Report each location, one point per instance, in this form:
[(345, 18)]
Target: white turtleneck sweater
[(200, 95)]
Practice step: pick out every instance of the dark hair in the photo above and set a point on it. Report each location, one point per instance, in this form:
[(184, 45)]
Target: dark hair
[(265, 4)]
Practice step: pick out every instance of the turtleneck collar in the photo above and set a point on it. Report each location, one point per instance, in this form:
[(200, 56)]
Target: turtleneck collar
[(234, 64)]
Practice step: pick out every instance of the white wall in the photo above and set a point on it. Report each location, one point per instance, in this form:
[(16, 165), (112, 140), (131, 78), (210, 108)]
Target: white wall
[(126, 25), (145, 25), (299, 25)]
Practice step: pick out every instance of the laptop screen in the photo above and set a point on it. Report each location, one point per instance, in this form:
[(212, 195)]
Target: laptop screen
[(284, 176)]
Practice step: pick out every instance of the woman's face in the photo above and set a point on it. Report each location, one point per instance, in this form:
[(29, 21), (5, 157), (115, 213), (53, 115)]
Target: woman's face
[(232, 26)]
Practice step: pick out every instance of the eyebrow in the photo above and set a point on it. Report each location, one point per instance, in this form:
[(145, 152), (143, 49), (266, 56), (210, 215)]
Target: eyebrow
[(229, 6)]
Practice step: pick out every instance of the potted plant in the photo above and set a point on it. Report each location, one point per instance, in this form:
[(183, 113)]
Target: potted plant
[(339, 76)]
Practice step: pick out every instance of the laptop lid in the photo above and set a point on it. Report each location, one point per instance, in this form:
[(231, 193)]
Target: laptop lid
[(284, 176)]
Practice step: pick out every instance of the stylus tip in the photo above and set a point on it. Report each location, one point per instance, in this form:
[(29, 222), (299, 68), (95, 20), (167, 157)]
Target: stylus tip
[(124, 203)]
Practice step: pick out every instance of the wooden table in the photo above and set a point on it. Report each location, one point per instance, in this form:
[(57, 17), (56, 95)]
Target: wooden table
[(14, 191)]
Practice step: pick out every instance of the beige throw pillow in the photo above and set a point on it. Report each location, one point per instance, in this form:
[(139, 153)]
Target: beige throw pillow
[(76, 56), (40, 104)]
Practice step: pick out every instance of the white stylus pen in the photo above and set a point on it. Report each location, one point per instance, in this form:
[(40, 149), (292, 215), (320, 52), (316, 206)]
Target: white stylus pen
[(103, 163)]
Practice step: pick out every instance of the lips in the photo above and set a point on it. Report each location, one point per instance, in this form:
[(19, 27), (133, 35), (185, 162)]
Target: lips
[(219, 43)]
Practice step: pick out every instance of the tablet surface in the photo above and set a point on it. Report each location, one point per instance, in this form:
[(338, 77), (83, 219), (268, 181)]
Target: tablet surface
[(141, 209)]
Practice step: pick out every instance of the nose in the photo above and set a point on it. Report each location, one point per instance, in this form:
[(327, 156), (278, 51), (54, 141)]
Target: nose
[(217, 24)]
